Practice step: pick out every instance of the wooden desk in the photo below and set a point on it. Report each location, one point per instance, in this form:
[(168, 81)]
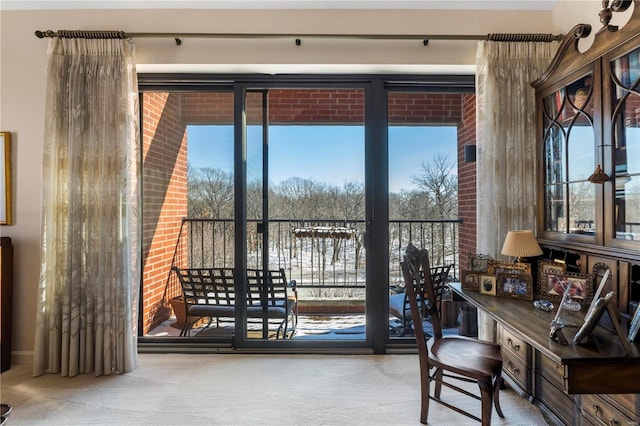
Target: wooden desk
[(555, 375)]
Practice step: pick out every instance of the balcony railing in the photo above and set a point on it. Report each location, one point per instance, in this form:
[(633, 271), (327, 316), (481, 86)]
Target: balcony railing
[(325, 257)]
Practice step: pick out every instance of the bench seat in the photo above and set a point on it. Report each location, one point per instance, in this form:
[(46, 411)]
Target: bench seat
[(210, 293)]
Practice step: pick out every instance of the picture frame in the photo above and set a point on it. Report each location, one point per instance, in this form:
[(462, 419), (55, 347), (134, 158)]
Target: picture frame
[(515, 286), (634, 327), (470, 280), (556, 285), (481, 263), (488, 285), (592, 319), (6, 208), (512, 268)]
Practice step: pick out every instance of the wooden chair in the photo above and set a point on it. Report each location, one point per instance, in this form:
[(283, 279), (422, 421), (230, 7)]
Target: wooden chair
[(450, 357), (399, 302)]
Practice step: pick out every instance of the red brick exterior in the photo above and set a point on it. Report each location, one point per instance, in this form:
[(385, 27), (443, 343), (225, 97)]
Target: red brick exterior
[(165, 116), (164, 180), (467, 181)]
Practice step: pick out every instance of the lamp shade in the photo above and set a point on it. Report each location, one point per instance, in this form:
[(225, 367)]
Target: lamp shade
[(521, 244)]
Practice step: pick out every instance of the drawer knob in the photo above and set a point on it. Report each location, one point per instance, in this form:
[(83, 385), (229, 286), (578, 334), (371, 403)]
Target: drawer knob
[(515, 347), (596, 408), (614, 422), (512, 368)]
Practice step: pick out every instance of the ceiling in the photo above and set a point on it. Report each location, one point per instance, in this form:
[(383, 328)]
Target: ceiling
[(281, 4)]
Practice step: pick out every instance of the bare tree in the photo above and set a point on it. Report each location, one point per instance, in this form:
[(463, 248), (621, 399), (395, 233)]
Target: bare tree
[(439, 181), (210, 193)]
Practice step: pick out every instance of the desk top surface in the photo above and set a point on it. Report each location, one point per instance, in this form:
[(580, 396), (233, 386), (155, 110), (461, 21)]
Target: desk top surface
[(534, 325)]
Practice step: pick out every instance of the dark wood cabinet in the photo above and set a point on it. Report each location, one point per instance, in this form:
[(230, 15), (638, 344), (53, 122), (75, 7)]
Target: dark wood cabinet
[(589, 118), (588, 105), (565, 381), (6, 294)]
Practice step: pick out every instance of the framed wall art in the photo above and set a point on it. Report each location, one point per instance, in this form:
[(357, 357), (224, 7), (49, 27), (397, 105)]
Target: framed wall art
[(6, 208), (517, 286)]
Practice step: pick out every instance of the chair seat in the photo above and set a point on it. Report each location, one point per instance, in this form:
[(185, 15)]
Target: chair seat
[(464, 355)]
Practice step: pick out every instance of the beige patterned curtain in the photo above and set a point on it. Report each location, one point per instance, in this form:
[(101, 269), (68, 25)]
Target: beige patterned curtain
[(506, 138), (90, 263)]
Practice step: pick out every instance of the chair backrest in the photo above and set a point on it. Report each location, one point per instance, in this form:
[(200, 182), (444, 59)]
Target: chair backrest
[(207, 286), (424, 297), (439, 276), (275, 282)]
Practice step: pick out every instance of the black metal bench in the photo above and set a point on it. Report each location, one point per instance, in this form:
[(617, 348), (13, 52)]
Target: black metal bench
[(210, 293)]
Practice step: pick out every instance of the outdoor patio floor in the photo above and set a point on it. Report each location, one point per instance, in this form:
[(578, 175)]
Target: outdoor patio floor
[(316, 326)]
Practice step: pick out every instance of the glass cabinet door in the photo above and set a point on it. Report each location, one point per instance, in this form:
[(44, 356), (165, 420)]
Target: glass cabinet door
[(569, 159), (625, 137)]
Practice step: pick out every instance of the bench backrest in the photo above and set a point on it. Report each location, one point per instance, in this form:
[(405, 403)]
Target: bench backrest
[(207, 286), (273, 286), (216, 286)]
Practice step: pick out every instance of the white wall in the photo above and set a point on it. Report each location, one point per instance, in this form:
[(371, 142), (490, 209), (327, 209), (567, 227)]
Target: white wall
[(24, 57)]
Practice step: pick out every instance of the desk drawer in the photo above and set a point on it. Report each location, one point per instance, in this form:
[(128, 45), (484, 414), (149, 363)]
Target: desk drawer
[(597, 411), (512, 343), (551, 370), (629, 404), (561, 404), (513, 367)]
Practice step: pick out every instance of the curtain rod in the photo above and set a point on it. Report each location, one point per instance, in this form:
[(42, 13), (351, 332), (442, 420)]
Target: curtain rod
[(513, 37)]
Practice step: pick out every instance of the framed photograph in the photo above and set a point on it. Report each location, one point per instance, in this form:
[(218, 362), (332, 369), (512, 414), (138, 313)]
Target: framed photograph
[(512, 268), (546, 268), (5, 179), (517, 286), (488, 285), (481, 263), (556, 285), (635, 327), (470, 281)]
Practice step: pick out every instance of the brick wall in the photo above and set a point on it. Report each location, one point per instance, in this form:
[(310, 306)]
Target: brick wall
[(322, 106), (420, 108), (467, 180), (164, 180)]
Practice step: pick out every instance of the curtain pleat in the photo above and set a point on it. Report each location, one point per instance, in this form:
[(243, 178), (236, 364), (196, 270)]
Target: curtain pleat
[(90, 262), (506, 138)]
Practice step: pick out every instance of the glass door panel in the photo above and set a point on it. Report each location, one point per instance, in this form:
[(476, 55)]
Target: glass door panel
[(626, 145), (570, 158), (423, 191), (305, 214)]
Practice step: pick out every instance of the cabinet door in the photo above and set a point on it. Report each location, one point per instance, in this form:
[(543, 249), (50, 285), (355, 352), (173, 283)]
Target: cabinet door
[(622, 149), (569, 142)]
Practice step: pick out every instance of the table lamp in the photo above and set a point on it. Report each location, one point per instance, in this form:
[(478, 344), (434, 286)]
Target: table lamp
[(520, 244)]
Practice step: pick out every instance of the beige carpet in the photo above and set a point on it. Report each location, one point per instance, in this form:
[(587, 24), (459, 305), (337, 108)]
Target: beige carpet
[(181, 389)]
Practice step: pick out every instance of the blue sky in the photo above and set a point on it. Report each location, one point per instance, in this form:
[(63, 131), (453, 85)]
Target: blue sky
[(330, 154)]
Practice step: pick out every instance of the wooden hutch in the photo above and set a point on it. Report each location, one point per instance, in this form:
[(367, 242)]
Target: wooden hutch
[(588, 107)]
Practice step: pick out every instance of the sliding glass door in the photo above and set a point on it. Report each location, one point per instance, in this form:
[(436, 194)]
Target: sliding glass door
[(313, 183), (305, 215)]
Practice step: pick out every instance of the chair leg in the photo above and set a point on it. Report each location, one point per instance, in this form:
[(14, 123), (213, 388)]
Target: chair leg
[(425, 388), (486, 396), (496, 393), (438, 386), (185, 327)]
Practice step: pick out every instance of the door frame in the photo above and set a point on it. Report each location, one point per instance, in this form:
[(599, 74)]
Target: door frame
[(240, 175)]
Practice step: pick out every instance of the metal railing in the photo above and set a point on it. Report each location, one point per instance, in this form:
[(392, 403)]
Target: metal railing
[(326, 257)]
